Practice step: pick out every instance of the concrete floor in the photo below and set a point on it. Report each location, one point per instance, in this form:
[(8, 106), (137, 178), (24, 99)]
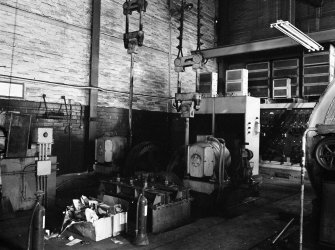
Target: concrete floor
[(253, 226)]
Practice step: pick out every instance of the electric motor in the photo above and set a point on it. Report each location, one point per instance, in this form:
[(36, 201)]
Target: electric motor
[(204, 159)]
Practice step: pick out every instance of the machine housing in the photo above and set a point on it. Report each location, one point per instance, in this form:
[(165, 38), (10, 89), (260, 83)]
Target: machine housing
[(236, 118)]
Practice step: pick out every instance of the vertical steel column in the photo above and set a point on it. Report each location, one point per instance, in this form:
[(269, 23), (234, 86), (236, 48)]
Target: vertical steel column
[(131, 88), (213, 116), (179, 84), (187, 131), (197, 80), (302, 185), (94, 79)]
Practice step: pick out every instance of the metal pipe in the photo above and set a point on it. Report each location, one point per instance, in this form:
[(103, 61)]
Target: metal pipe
[(282, 231), (213, 118), (179, 84), (127, 21), (140, 28), (70, 135), (39, 183), (222, 161), (18, 172), (187, 140), (187, 131), (39, 151), (42, 183), (197, 80), (187, 158), (136, 224), (302, 180), (131, 88), (46, 191)]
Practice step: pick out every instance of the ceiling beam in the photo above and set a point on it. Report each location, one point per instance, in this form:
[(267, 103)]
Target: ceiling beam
[(315, 3), (277, 43)]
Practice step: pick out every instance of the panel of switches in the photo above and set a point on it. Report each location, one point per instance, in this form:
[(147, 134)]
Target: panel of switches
[(281, 133)]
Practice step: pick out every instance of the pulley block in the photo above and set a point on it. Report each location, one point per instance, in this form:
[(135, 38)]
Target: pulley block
[(133, 39), (195, 61), (134, 5)]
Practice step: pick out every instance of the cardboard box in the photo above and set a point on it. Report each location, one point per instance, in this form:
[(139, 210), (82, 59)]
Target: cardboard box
[(99, 230), (119, 223), (119, 219)]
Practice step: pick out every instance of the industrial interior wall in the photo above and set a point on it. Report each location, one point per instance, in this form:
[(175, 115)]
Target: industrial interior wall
[(245, 21), (46, 46), (155, 81)]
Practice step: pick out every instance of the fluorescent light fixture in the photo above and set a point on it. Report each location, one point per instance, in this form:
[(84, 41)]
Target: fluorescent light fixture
[(300, 37)]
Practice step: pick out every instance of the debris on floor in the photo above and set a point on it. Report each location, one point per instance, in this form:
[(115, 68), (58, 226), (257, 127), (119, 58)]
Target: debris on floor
[(73, 242), (116, 241), (94, 219)]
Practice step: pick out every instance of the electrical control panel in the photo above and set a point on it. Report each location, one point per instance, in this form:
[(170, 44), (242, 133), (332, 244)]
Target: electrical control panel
[(42, 135), (236, 120), (281, 133)]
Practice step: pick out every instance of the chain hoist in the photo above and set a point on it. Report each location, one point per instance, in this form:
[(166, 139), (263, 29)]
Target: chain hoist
[(132, 40), (187, 102), (135, 38), (181, 30), (196, 60)]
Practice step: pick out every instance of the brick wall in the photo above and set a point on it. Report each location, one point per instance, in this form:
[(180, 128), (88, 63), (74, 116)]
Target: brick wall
[(154, 80), (52, 49), (51, 44), (46, 45)]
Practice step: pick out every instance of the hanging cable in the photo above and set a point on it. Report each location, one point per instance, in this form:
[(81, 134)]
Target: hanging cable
[(181, 30), (199, 25), (132, 40)]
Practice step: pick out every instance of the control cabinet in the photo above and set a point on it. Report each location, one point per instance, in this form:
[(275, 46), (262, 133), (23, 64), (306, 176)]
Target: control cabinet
[(236, 120)]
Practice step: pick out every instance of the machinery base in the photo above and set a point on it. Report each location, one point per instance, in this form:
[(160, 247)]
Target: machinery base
[(170, 216)]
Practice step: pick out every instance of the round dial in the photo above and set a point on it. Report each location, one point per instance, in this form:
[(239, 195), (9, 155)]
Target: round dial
[(195, 160)]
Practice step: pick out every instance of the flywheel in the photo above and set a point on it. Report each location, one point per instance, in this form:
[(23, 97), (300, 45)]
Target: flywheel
[(325, 153)]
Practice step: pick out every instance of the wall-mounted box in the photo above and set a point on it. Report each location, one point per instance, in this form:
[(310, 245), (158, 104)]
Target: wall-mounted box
[(237, 82), (42, 135)]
